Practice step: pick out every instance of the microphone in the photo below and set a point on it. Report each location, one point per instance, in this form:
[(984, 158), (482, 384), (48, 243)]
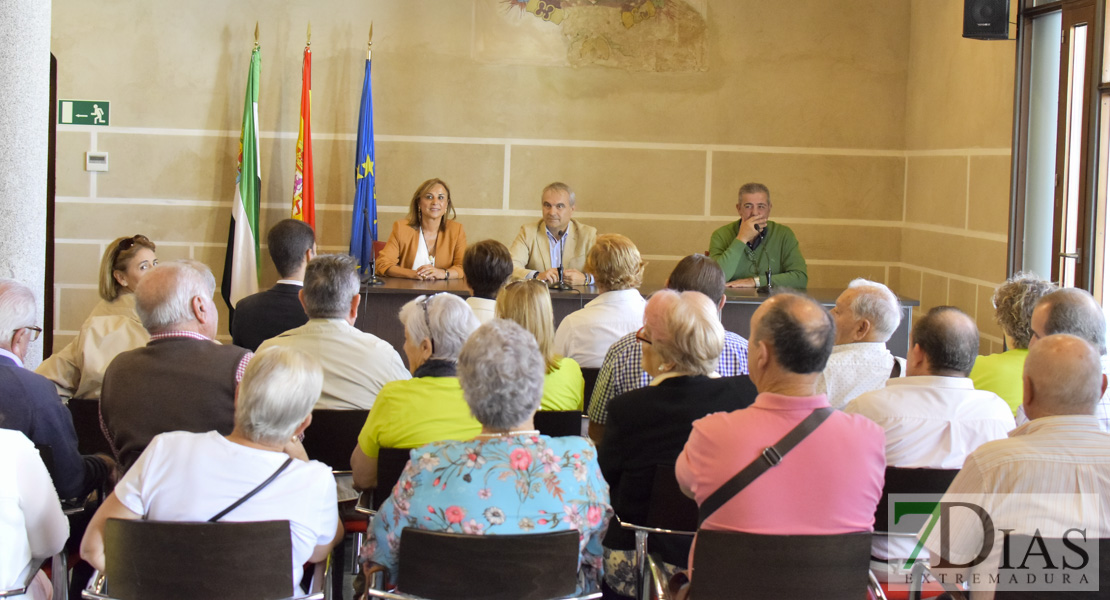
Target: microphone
[(758, 228), (371, 278), (561, 284)]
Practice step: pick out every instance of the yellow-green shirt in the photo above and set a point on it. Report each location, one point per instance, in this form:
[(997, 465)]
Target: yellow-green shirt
[(1001, 374), (564, 388), (414, 412)]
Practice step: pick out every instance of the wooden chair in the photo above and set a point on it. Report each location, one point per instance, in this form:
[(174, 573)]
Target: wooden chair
[(558, 423), (730, 564), (453, 566), (590, 375), (332, 436), (155, 560), (86, 422)]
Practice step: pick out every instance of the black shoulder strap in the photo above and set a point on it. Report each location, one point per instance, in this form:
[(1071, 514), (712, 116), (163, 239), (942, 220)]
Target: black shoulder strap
[(251, 493), (770, 457), (896, 370)]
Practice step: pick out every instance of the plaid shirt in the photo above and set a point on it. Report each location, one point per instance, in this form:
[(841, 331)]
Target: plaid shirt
[(622, 372)]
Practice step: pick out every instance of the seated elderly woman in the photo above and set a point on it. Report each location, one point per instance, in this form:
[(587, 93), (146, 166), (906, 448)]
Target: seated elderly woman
[(508, 479), (184, 476), (112, 327), (681, 340), (429, 407), (528, 304), (1013, 302)]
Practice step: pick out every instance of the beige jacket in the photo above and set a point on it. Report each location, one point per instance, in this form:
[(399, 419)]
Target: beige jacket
[(531, 250)]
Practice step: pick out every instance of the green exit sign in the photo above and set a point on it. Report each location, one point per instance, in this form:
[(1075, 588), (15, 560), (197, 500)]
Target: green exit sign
[(83, 112)]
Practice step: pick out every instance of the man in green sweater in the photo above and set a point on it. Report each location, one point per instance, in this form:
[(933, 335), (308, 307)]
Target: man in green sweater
[(750, 247)]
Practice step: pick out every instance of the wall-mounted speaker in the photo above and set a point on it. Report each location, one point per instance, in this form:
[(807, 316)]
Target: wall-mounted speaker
[(987, 19)]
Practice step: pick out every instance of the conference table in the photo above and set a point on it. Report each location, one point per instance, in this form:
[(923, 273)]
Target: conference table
[(380, 304)]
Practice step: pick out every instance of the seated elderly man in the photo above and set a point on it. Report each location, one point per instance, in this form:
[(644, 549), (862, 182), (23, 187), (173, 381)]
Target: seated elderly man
[(866, 315), (934, 417), (1075, 312), (623, 369), (429, 407), (557, 240), (261, 316), (491, 484), (487, 265), (356, 364), (196, 476), (29, 403), (1057, 464), (831, 481), (182, 380), (586, 334)]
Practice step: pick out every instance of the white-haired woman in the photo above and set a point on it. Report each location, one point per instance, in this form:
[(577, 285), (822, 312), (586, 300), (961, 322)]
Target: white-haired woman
[(184, 476), (681, 339), (111, 328), (507, 480), (429, 407)]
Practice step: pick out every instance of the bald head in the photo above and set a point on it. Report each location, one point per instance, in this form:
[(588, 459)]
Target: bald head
[(1063, 376), (944, 342), (1072, 311), (798, 331), (177, 296)]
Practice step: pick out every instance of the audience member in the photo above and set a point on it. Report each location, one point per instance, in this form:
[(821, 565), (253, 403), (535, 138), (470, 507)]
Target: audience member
[(429, 243), (30, 404), (1076, 312), (831, 481), (264, 315), (32, 525), (539, 250), (430, 406), (682, 338), (866, 315), (1061, 453), (586, 334), (356, 364), (1013, 302), (182, 380), (934, 417), (112, 327), (528, 304), (492, 484), (623, 371), (487, 266), (752, 246), (185, 476)]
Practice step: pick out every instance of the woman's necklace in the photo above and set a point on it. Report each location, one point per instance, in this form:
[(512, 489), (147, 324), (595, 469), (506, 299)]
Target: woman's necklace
[(487, 436), (430, 246)]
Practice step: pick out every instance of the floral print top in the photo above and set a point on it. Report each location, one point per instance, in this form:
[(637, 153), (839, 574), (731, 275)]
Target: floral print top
[(504, 485)]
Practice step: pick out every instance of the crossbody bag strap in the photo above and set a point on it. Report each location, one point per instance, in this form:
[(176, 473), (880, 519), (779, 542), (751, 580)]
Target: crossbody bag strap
[(770, 457), (251, 493)]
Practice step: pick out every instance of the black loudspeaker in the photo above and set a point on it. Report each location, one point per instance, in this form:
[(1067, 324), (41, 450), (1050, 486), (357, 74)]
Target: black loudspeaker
[(987, 19)]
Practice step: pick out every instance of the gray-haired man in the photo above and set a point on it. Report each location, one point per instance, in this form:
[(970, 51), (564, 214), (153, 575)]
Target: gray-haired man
[(555, 241)]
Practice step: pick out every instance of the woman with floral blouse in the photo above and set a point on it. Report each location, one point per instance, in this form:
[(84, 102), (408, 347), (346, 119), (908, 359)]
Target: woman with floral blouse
[(509, 479)]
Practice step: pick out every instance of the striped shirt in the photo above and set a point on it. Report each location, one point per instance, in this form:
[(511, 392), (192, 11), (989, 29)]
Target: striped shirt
[(622, 370), (239, 370)]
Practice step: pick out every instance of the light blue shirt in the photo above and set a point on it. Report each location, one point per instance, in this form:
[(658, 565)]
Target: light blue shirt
[(556, 247)]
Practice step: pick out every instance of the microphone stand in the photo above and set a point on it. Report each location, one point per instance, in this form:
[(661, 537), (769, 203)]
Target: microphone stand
[(562, 285), (370, 278)]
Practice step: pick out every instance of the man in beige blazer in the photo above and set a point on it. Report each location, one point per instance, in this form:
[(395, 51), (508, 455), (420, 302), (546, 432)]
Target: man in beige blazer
[(557, 239)]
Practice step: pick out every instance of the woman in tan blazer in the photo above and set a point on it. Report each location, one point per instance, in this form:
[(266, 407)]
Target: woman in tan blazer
[(430, 244)]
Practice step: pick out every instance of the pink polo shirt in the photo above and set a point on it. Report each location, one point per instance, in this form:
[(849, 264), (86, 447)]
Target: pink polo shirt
[(829, 483)]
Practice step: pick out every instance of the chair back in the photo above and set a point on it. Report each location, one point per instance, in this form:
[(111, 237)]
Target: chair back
[(729, 564), (590, 375), (155, 560), (455, 566), (1056, 549), (86, 423), (391, 463), (669, 508), (900, 480), (332, 436), (558, 423)]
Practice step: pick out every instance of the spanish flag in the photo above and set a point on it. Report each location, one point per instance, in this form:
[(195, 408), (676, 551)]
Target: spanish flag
[(304, 195)]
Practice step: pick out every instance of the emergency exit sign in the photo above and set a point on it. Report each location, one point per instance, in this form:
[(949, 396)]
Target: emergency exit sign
[(83, 112)]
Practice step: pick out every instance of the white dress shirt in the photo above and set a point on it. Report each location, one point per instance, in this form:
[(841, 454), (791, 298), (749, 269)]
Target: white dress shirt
[(854, 369), (586, 334)]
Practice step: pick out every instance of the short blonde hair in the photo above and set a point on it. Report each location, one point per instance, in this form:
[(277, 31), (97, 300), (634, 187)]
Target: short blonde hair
[(528, 304), (685, 330), (117, 257), (615, 263)]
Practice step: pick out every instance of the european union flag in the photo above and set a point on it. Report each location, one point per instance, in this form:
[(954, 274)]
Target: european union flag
[(364, 224)]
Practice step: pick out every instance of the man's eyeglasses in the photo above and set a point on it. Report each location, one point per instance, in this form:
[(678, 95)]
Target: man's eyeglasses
[(35, 332), (640, 337)]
